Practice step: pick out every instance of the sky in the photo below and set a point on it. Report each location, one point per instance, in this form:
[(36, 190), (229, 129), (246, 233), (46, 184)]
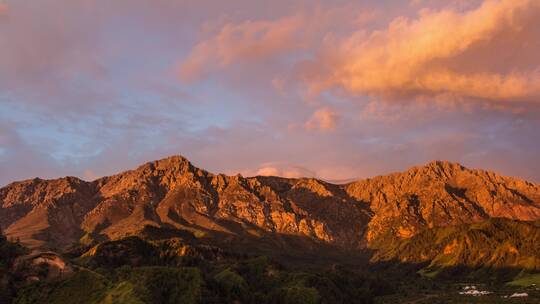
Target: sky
[(333, 89)]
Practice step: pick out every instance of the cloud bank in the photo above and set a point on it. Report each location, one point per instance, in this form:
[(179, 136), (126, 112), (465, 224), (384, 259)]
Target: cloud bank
[(487, 53), (241, 42)]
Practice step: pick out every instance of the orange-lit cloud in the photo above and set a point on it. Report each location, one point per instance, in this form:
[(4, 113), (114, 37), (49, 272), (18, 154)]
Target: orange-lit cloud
[(490, 52), (324, 119), (258, 41), (244, 41)]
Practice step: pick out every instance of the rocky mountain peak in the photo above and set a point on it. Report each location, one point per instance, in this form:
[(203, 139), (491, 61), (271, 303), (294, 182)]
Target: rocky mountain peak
[(175, 163), (173, 166), (445, 165), (159, 175), (439, 169)]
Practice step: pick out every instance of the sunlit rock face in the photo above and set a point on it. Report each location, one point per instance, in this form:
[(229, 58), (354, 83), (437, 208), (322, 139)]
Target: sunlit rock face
[(442, 194), (171, 193)]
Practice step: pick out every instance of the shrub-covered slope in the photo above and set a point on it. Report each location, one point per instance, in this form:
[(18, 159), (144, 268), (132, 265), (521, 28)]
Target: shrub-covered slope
[(496, 243)]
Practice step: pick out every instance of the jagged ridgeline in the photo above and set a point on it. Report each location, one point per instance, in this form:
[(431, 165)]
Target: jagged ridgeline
[(168, 218), (173, 194)]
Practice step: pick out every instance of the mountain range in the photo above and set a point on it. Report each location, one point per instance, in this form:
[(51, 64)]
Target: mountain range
[(173, 194), (441, 220)]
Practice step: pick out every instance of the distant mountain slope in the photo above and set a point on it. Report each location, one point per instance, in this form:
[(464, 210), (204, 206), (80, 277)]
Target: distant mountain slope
[(173, 194)]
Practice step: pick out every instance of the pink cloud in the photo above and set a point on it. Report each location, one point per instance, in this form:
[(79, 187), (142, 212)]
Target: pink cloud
[(281, 169), (324, 119), (268, 171), (90, 175), (257, 41), (3, 8), (243, 41), (483, 53)]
